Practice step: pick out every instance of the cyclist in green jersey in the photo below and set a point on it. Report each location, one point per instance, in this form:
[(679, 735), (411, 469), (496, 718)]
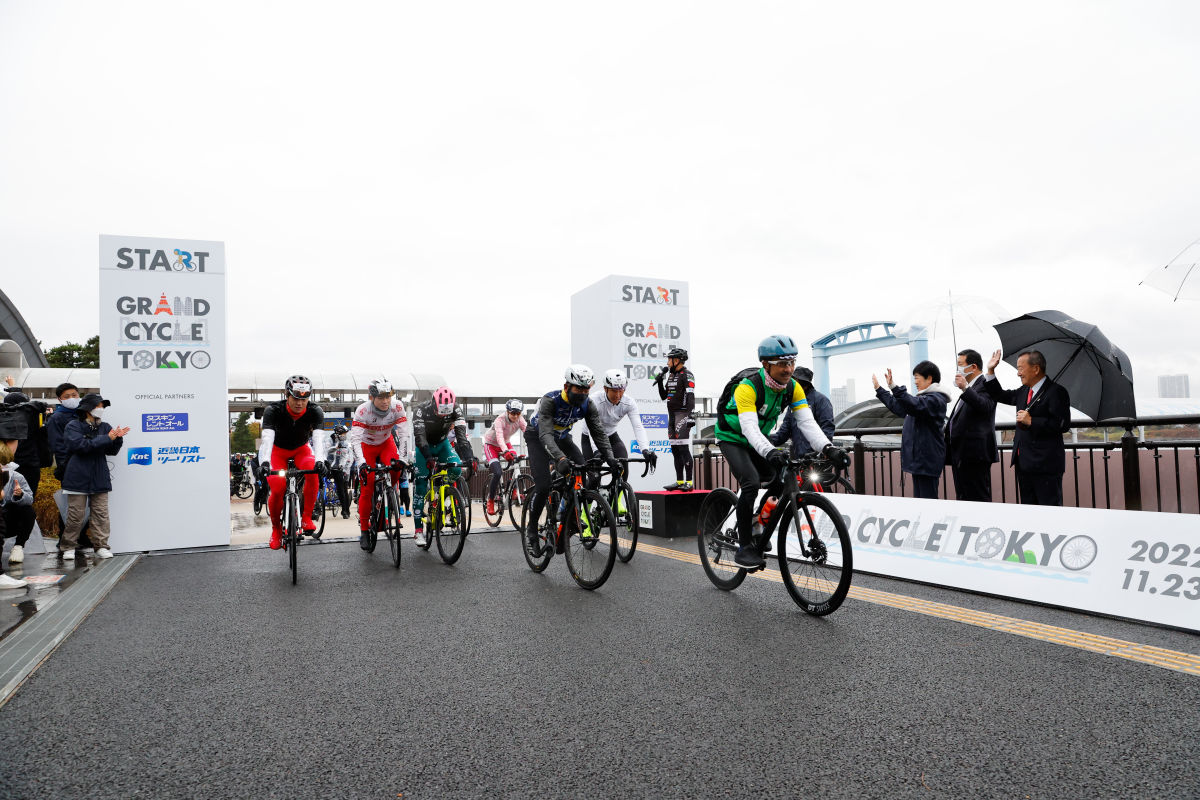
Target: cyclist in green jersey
[(745, 420)]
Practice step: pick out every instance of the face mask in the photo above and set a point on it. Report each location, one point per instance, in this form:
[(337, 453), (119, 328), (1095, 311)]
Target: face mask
[(576, 398), (71, 403), (98, 412)]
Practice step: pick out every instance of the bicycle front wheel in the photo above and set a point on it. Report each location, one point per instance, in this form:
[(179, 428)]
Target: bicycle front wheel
[(518, 498), (717, 539), (319, 518), (592, 542), (452, 534), (493, 519), (627, 522), (244, 490), (393, 526), (539, 556), (815, 558), (293, 533)]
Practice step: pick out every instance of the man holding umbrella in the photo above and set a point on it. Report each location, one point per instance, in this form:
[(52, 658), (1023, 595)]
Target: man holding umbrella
[(1043, 415)]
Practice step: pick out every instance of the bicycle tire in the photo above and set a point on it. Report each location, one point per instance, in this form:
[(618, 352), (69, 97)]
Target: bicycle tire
[(591, 546), (716, 539), (319, 511), (452, 533), (493, 520), (393, 526), (259, 503), (627, 522), (518, 497), (375, 524), (818, 582), (429, 518), (292, 534), (245, 490), (545, 526), (462, 486)]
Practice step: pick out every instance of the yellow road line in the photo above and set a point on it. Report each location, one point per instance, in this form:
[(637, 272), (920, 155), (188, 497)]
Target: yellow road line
[(1132, 651)]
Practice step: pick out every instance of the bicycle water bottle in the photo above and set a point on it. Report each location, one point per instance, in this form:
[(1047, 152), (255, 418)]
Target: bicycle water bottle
[(765, 515)]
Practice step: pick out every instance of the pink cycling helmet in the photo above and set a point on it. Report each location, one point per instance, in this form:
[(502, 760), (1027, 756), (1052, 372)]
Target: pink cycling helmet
[(443, 401)]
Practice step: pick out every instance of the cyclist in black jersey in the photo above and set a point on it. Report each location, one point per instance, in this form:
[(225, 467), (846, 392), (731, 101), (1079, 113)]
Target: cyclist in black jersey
[(287, 426), (677, 386)]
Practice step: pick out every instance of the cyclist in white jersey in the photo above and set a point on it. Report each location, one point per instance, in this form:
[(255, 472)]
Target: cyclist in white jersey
[(613, 405), (371, 440)]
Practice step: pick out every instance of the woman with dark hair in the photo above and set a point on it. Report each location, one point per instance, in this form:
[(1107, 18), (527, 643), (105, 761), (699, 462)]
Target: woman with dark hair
[(922, 444), (86, 481)]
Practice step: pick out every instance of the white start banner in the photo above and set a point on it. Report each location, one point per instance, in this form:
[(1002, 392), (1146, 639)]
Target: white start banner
[(162, 363), (1139, 565), (629, 323)]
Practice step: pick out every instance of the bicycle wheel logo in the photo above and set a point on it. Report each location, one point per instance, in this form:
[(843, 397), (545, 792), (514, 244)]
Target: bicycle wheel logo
[(183, 262), (1078, 553)]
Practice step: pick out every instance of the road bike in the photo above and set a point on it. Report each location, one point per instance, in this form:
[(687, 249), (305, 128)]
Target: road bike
[(385, 509), (262, 493), (577, 522), (446, 514), (515, 490), (812, 545), (623, 502), (293, 530)]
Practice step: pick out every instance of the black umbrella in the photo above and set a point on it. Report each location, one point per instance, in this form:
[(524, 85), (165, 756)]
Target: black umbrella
[(1095, 371)]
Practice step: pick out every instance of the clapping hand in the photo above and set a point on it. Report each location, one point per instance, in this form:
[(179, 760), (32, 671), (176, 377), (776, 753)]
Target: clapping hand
[(994, 362), (117, 433), (16, 494), (887, 376), (875, 381)]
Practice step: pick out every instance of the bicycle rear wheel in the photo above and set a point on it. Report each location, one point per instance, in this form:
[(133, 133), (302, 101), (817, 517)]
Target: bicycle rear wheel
[(627, 522), (292, 533), (463, 486), (452, 533), (393, 526), (538, 560), (518, 497), (817, 564), (244, 490), (319, 518), (591, 547), (717, 539)]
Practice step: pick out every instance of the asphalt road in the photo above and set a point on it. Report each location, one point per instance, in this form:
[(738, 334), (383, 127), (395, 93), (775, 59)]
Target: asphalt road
[(210, 675)]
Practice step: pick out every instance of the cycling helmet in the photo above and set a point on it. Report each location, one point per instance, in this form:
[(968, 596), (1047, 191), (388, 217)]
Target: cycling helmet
[(615, 379), (298, 386), (579, 375), (778, 346), (677, 352), (443, 401), (379, 386), (514, 405), (340, 430)]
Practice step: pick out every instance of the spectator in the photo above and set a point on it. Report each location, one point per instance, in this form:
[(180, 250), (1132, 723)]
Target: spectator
[(822, 410), (28, 461), (922, 443), (1043, 416), (87, 481), (971, 432), (56, 426), (14, 492)]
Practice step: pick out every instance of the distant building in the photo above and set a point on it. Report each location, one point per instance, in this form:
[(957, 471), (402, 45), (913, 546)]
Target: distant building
[(1173, 386)]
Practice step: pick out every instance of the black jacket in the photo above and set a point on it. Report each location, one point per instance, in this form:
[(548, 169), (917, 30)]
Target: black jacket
[(922, 444), (1039, 447), (88, 446), (822, 410), (971, 428)]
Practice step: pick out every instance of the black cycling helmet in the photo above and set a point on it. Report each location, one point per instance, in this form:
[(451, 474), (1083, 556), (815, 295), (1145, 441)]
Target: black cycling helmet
[(298, 387), (340, 430), (677, 352)]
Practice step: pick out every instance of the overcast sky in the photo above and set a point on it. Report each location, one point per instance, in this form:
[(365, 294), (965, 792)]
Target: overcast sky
[(420, 187)]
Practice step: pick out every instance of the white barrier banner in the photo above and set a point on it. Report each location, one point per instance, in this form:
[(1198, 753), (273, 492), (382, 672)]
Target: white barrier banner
[(162, 363), (629, 323), (1140, 565)]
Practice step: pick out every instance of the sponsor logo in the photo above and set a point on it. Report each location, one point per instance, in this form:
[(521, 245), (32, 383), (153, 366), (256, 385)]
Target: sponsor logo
[(139, 360), (156, 423), (174, 260), (657, 295), (141, 456), (654, 420), (182, 454)]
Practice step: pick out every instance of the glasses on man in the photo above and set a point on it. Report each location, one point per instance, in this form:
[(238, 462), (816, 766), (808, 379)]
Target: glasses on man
[(775, 361)]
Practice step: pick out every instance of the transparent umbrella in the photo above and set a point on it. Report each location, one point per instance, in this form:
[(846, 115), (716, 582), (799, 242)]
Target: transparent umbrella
[(1173, 278), (963, 313)]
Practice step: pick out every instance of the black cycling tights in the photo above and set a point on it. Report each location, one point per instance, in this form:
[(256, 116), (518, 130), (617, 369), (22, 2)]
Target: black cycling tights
[(496, 468), (680, 432), (749, 470)]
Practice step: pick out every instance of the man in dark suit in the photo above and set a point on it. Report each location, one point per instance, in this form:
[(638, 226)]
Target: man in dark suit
[(1043, 415), (971, 432)]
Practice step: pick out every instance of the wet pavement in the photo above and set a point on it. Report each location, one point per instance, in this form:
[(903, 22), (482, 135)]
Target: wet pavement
[(209, 674)]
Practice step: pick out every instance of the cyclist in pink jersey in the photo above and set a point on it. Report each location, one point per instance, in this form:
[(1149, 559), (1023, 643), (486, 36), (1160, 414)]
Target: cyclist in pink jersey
[(371, 441), (497, 445)]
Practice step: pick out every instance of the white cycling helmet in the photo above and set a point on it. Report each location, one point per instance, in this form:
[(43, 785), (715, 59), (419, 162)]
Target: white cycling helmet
[(579, 375), (615, 379), (379, 386), (514, 405)]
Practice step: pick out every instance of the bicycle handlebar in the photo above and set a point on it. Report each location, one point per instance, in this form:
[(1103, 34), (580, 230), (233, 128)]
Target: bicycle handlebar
[(394, 465)]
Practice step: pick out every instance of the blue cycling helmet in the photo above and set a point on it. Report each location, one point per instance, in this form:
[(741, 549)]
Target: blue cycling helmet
[(778, 346)]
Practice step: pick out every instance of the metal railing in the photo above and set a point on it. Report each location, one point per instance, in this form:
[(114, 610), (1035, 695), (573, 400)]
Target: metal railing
[(1130, 473)]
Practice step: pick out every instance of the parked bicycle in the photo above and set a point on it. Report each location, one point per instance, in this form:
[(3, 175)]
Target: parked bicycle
[(385, 509), (240, 485), (514, 492), (446, 514), (293, 496), (812, 545), (577, 522), (623, 502)]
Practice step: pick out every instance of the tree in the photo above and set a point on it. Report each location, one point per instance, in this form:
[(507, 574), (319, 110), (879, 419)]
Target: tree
[(241, 440), (84, 356)]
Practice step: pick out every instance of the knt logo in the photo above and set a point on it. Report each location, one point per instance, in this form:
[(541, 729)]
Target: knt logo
[(141, 456)]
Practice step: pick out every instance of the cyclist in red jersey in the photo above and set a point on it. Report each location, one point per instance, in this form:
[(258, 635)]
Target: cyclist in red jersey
[(371, 441), (287, 426)]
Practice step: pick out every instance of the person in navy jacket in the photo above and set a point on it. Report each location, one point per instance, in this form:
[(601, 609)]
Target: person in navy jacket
[(87, 481), (1043, 416), (922, 445)]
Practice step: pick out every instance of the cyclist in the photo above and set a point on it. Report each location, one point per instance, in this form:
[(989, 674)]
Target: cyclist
[(497, 445), (371, 441), (438, 425), (614, 405), (548, 437), (677, 386), (340, 458), (286, 427), (742, 424)]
